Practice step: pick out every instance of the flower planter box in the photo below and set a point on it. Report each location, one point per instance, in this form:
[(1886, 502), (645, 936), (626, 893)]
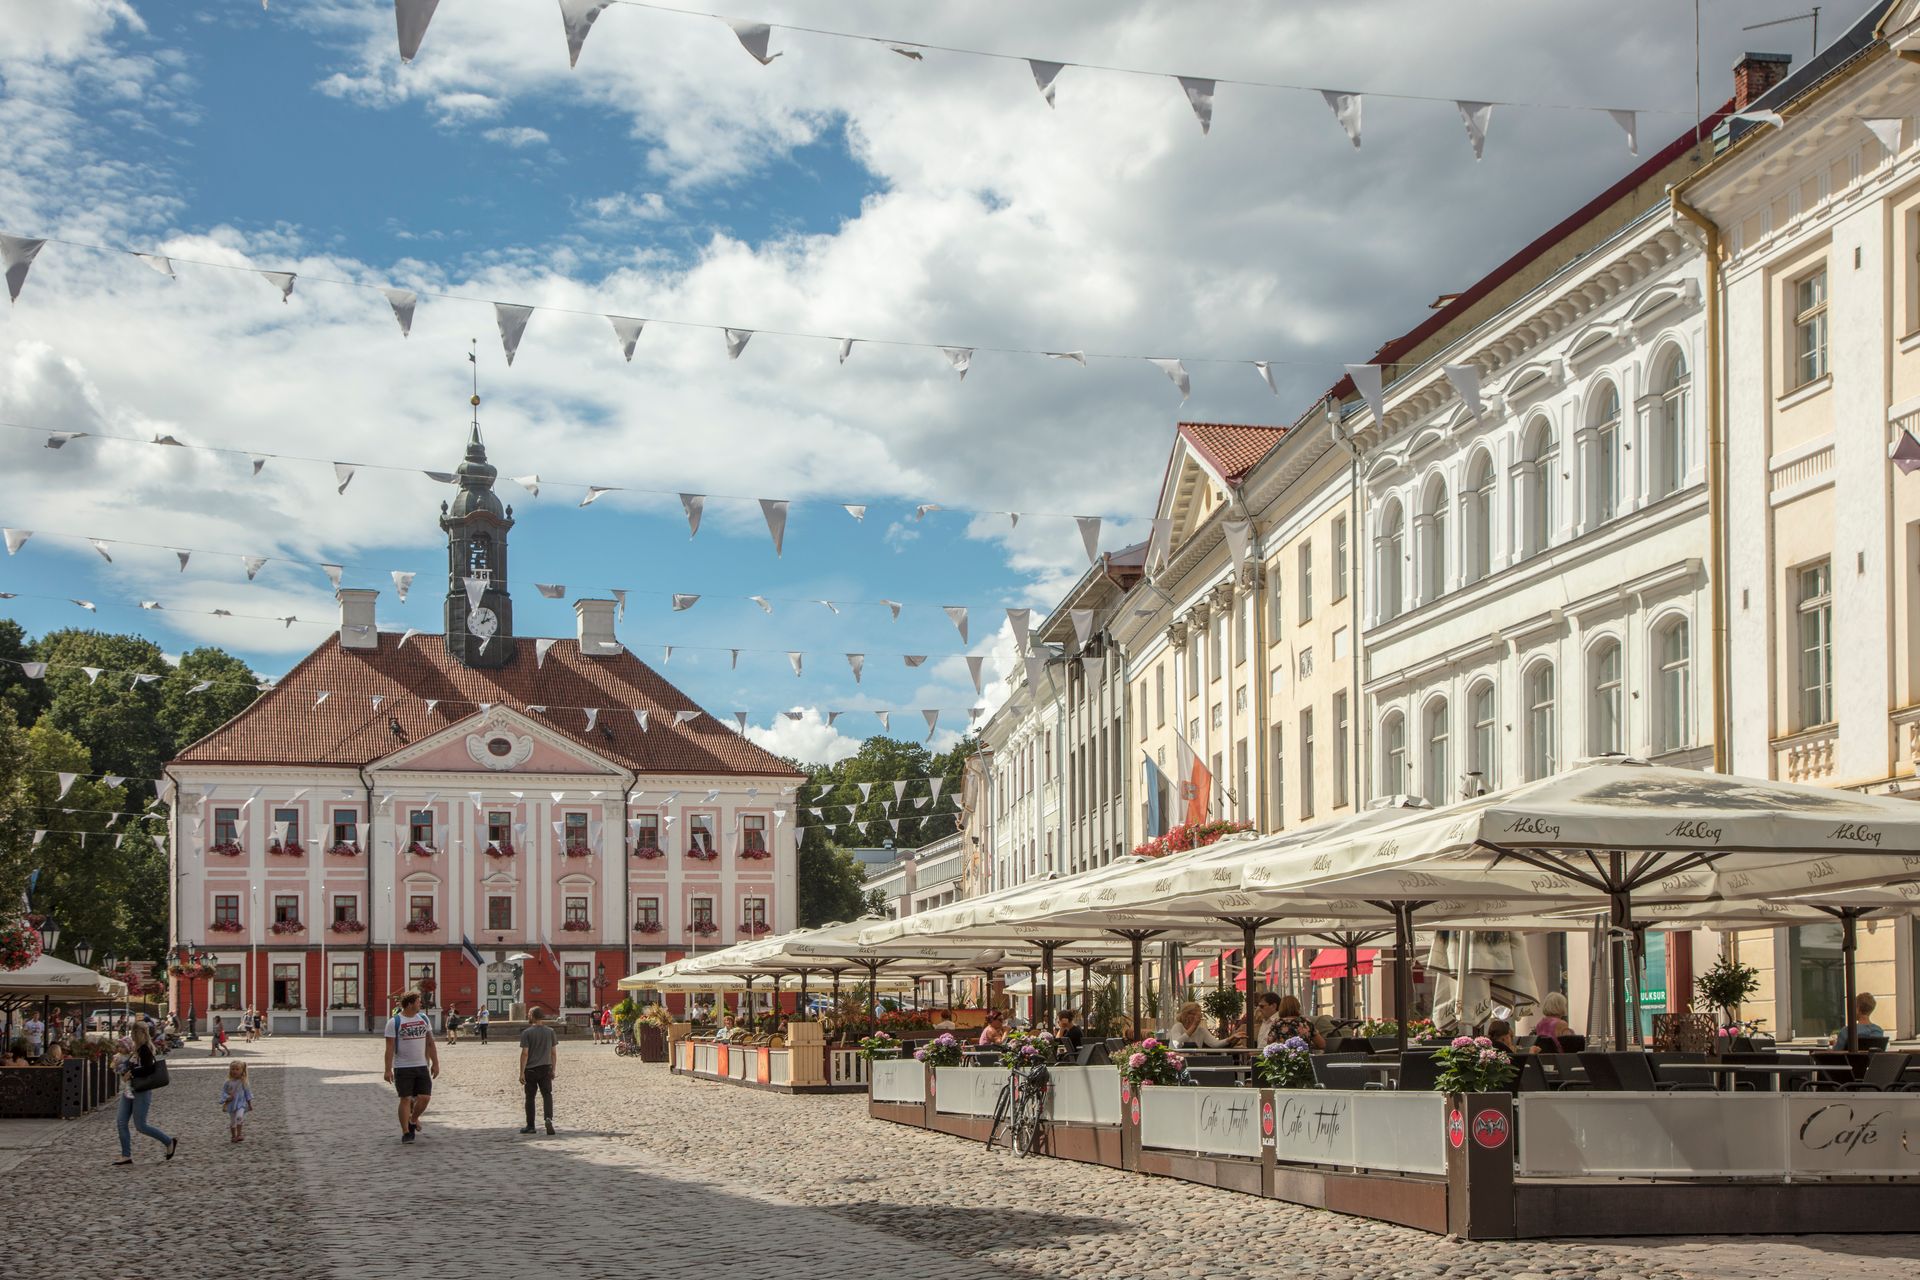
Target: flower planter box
[(348, 927), (44, 1093), (649, 854), (344, 851)]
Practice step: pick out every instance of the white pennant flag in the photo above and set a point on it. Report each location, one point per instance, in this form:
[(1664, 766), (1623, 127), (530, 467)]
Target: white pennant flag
[(1239, 540), (1177, 372), (832, 716), (899, 790), (476, 587), (432, 703), (619, 603), (1265, 369), (1159, 542), (640, 718), (857, 510), (163, 265), (1888, 129), (403, 302), (333, 572), (933, 723), (149, 604), (740, 718), (957, 614), (1082, 620), (540, 648), (934, 785), (775, 510), (737, 342), (766, 606), (1078, 357), (100, 545), (412, 17), (753, 38), (530, 483), (1019, 620), (1090, 668), (693, 504), (405, 636), (17, 538), (886, 721), (626, 329), (1036, 668), (1200, 94), (1762, 117), (38, 671), (975, 664), (1090, 536), (66, 784), (913, 659), (1346, 109), (593, 717), (846, 349), (512, 319), (402, 583), (894, 607), (866, 789), (1476, 116), (1366, 380), (666, 655), (253, 565), (682, 603), (324, 695), (594, 491), (1465, 379), (281, 280), (1630, 122), (681, 717), (343, 475), (576, 17), (1043, 76), (794, 658), (858, 662), (551, 590), (920, 512), (961, 358), (17, 254), (734, 659)]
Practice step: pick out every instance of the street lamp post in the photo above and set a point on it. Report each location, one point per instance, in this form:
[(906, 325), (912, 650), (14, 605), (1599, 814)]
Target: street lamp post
[(49, 934)]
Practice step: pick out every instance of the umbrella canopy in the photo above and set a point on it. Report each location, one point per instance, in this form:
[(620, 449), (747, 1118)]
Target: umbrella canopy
[(1331, 962), (47, 978)]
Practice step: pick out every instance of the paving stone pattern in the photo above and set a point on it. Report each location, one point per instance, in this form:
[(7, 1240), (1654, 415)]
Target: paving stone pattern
[(656, 1176)]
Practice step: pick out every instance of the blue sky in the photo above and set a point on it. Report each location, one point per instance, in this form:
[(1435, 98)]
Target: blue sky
[(841, 190)]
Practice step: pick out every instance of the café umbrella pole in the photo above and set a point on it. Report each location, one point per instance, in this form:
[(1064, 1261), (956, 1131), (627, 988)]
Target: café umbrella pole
[(1137, 941)]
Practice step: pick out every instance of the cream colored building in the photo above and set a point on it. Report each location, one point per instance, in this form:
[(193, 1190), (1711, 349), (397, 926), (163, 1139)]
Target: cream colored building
[(1817, 227)]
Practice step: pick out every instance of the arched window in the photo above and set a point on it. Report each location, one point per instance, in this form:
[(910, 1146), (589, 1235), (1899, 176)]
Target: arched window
[(1435, 781), (1540, 721), (1606, 454), (1483, 739), (1393, 755), (1539, 478), (1604, 734), (1667, 425), (1476, 509), (1393, 554), (1433, 541), (1673, 686)]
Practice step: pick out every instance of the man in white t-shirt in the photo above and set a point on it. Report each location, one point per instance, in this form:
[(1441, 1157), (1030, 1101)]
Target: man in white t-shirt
[(412, 1062)]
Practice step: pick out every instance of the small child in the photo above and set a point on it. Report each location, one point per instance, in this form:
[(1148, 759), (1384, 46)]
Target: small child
[(219, 1037), (236, 1099)]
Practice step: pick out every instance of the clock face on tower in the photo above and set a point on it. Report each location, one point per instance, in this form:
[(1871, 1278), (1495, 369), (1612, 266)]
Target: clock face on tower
[(483, 623)]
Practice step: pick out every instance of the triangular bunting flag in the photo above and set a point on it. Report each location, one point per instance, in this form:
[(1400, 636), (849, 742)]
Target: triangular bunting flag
[(626, 329), (1630, 122), (693, 504), (253, 565), (1200, 95), (551, 590), (1465, 380), (1366, 380), (961, 358), (957, 615), (885, 717), (1346, 109), (1043, 76), (1019, 620), (894, 607), (1082, 620), (540, 648), (1090, 536), (640, 718), (101, 545), (530, 483), (412, 17), (1476, 116), (1177, 372), (595, 492), (775, 510), (17, 254), (1888, 129), (402, 583), (753, 38), (795, 658), (333, 572), (1239, 540), (682, 603), (857, 661), (914, 659), (17, 538), (342, 475), (975, 664), (512, 319), (737, 340), (281, 280), (403, 302), (576, 17)]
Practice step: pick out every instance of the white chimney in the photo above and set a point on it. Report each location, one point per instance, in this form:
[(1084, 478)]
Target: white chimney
[(357, 629), (593, 624)]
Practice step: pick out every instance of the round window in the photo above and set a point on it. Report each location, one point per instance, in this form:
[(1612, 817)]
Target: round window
[(499, 746)]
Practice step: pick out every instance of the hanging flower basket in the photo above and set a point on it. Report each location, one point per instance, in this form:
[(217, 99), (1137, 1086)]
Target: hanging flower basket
[(19, 943), (290, 849), (504, 849), (422, 848), (577, 926), (344, 849), (288, 926), (699, 854), (649, 852), (423, 926), (649, 926), (226, 849), (756, 854), (226, 926), (1189, 835), (349, 926), (188, 969)]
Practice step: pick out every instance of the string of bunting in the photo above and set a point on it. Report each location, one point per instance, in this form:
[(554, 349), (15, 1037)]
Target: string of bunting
[(17, 254), (411, 18)]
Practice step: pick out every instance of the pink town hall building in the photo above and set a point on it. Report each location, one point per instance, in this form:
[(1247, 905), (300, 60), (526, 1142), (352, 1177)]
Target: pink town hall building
[(489, 818)]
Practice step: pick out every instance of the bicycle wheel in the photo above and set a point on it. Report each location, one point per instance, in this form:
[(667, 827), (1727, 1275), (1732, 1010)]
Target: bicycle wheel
[(1028, 1117), (1002, 1112)]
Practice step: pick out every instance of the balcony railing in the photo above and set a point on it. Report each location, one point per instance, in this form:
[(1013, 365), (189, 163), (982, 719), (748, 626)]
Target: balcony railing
[(1806, 756)]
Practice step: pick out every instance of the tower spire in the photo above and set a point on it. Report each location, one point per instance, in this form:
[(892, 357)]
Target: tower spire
[(473, 358)]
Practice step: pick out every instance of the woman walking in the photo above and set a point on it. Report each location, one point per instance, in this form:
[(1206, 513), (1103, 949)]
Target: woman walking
[(137, 1068)]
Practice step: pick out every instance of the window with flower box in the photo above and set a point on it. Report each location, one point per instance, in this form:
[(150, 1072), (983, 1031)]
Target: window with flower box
[(346, 914), (646, 836), (576, 842), (226, 912), (753, 916), (500, 833), (499, 913), (753, 836), (579, 987), (346, 831), (286, 986), (286, 832), (225, 993), (420, 831), (575, 918), (702, 917), (700, 842), (226, 831), (420, 908), (286, 913), (420, 977), (346, 987), (646, 915)]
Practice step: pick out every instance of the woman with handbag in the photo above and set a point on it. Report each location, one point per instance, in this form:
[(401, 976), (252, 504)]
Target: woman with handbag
[(140, 1073)]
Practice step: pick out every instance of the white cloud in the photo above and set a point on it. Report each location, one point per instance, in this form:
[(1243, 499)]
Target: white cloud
[(810, 739), (517, 136), (626, 207)]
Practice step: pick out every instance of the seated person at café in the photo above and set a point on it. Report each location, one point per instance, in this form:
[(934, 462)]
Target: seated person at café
[(1552, 1024), (1190, 1030), (1500, 1031), (1066, 1030), (996, 1029), (945, 1021), (727, 1029), (1288, 1022), (1863, 1007)]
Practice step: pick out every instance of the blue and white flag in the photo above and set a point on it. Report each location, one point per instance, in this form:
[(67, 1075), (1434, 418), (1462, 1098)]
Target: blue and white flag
[(1156, 824)]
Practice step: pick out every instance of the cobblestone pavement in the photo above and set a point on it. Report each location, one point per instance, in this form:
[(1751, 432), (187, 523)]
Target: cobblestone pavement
[(656, 1176)]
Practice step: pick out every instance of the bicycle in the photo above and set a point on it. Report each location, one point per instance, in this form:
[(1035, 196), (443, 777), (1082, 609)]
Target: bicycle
[(1020, 1112)]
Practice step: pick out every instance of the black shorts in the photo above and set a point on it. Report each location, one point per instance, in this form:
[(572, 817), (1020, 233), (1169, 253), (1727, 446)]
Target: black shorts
[(413, 1082)]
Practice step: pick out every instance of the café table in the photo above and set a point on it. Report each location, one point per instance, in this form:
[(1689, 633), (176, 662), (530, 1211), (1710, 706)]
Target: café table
[(1775, 1074)]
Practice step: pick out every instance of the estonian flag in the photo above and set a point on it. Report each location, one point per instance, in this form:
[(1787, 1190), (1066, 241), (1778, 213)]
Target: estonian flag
[(472, 953), (1156, 782)]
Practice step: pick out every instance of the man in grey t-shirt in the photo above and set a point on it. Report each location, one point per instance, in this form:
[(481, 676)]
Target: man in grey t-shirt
[(539, 1054)]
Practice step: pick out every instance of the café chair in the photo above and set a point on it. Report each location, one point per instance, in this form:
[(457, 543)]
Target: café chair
[(1883, 1076), (1419, 1071)]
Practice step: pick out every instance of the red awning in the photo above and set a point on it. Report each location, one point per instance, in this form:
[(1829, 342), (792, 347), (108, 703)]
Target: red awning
[(1331, 962)]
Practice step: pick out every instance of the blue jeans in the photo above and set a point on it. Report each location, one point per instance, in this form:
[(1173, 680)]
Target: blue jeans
[(135, 1109)]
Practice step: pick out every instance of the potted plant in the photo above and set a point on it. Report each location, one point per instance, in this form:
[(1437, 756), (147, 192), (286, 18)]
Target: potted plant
[(349, 926), (19, 943), (422, 926), (421, 848), (1287, 1065), (1725, 987), (344, 849), (944, 1051), (1223, 1005), (879, 1047), (287, 926), (577, 926), (649, 926), (1151, 1062), (648, 852), (1471, 1064), (226, 848), (1029, 1049)]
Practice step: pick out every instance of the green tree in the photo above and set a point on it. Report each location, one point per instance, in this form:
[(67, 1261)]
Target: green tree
[(114, 714), (188, 716), (828, 882), (27, 698), (879, 763)]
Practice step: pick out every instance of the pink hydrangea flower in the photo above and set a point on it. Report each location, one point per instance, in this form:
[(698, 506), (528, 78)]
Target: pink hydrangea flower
[(1463, 1042), (1483, 1042), (1150, 1043), (1137, 1061)]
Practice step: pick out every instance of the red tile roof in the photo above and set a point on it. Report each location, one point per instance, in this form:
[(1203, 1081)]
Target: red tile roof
[(1231, 448), (284, 727)]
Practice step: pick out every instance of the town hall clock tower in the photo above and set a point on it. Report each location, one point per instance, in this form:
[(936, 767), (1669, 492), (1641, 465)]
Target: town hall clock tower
[(479, 612)]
